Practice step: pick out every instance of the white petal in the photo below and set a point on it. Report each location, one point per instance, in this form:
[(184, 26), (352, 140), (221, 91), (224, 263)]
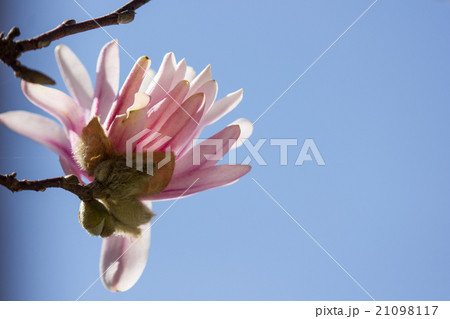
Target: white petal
[(201, 79), (210, 89), (180, 73), (163, 79), (190, 74), (57, 103), (107, 82), (75, 76), (246, 131), (149, 75), (123, 259), (201, 180), (38, 128), (222, 107)]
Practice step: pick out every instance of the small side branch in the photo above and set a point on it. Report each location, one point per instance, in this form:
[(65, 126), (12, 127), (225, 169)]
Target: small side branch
[(69, 183), (11, 50)]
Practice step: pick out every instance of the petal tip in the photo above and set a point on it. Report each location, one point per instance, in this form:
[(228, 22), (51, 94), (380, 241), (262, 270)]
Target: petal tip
[(170, 56), (59, 47), (113, 42), (246, 170)]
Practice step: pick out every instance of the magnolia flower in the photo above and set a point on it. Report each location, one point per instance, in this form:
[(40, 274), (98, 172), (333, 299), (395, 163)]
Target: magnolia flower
[(158, 112)]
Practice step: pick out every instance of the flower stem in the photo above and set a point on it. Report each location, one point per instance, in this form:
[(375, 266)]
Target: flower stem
[(69, 183)]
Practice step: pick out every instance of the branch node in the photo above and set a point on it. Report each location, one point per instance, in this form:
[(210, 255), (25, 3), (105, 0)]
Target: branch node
[(72, 180), (43, 44), (68, 22), (125, 16), (14, 32)]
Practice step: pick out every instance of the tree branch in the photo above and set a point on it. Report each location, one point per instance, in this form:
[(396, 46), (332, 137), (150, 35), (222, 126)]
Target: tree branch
[(69, 183), (11, 50)]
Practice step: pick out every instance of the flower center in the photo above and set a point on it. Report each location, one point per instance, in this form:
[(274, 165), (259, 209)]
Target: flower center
[(117, 185)]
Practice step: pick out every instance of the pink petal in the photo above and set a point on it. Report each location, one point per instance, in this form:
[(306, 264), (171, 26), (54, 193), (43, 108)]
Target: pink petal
[(126, 95), (75, 76), (123, 260), (246, 129), (184, 135), (57, 103), (201, 180), (40, 129), (222, 107), (206, 154), (107, 83), (182, 115), (162, 82), (157, 116), (125, 126), (161, 112), (210, 89), (180, 73), (69, 166), (201, 79)]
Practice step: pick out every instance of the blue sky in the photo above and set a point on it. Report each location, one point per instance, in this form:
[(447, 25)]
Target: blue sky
[(376, 105)]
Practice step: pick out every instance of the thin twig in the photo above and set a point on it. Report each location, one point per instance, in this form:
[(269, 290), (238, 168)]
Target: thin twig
[(11, 50), (69, 183)]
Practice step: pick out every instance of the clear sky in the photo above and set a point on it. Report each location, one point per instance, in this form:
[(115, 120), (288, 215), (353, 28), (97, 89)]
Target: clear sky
[(376, 105)]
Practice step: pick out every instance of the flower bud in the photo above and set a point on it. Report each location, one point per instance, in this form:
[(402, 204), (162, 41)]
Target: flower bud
[(115, 180), (93, 146), (130, 211), (95, 218), (126, 16)]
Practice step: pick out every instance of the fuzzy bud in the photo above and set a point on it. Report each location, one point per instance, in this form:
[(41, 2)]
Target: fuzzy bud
[(93, 147), (95, 218)]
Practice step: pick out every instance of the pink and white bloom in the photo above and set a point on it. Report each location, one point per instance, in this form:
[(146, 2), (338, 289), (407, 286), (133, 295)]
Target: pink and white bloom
[(173, 102)]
